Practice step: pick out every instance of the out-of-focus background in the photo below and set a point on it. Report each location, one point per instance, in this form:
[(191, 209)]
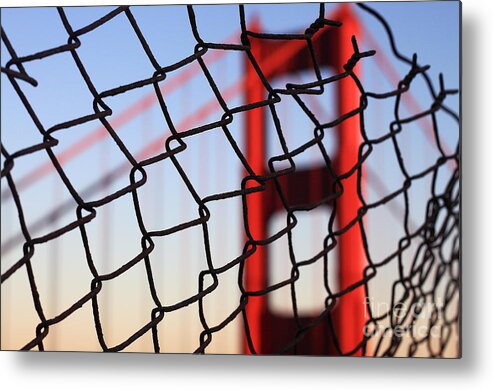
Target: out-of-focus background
[(113, 56)]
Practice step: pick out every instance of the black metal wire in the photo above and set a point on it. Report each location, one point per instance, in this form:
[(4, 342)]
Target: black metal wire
[(412, 290)]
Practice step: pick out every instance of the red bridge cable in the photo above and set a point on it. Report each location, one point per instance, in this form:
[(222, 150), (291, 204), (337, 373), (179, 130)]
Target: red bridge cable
[(408, 98), (149, 100), (98, 134)]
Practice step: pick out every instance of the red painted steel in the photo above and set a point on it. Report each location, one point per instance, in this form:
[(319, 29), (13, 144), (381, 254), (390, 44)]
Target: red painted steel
[(270, 331), (333, 48)]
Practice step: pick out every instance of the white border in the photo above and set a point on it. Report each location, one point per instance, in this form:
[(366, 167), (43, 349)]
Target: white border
[(474, 370)]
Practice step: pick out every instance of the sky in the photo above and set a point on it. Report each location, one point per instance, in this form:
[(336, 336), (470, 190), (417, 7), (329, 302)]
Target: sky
[(113, 56)]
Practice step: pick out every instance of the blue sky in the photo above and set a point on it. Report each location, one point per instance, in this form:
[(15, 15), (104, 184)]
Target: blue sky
[(112, 56)]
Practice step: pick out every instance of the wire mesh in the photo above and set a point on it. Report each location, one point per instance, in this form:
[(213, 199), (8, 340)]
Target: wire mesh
[(426, 291)]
